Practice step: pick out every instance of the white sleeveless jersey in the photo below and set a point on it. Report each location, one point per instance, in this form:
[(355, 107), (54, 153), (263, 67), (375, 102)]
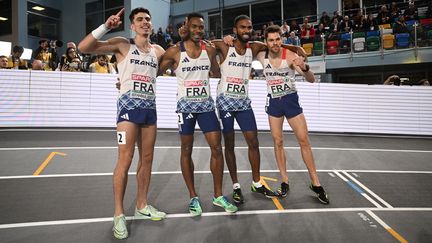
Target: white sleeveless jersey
[(137, 73), (193, 84), (281, 80), (233, 86)]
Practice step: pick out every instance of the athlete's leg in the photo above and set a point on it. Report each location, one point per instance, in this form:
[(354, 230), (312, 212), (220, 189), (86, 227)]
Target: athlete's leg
[(125, 155), (146, 142), (299, 127), (216, 160), (276, 128), (251, 138), (186, 162), (230, 155)]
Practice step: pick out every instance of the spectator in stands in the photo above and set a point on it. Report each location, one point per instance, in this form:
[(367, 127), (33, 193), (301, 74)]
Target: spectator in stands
[(383, 16), (294, 27), (346, 25), (71, 61), (394, 11), (336, 15), (15, 61), (400, 26), (424, 82), (393, 80), (43, 53), (371, 23), (411, 13), (307, 34), (101, 65), (3, 62), (325, 19), (359, 23), (263, 27), (37, 65), (285, 28), (212, 36), (335, 27), (153, 37), (293, 39), (321, 30), (305, 23)]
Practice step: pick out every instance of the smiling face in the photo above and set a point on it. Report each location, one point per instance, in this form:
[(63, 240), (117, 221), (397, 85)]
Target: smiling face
[(243, 30), (142, 24), (274, 42), (196, 29)]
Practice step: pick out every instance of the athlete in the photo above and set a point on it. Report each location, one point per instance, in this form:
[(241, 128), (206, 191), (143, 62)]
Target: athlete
[(136, 116), (233, 101), (193, 62), (282, 102)]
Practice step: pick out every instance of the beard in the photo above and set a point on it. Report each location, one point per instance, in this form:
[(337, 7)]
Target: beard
[(244, 37)]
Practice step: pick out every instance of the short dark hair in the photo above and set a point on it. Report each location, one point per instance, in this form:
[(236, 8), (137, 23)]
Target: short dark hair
[(138, 10), (19, 49), (272, 29), (3, 56), (194, 15), (240, 17)]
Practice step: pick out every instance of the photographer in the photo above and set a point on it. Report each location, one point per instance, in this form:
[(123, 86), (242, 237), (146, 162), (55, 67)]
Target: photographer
[(101, 65), (15, 61), (47, 53), (72, 62)]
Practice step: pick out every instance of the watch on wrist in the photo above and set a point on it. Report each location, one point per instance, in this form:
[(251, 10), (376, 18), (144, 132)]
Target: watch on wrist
[(307, 68)]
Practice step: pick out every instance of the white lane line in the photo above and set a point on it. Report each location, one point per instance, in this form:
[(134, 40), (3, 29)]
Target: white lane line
[(367, 190), (331, 174), (206, 147), (202, 172), (211, 214), (358, 190), (388, 228)]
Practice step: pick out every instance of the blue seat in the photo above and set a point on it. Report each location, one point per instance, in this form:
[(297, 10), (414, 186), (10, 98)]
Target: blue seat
[(373, 33), (402, 40)]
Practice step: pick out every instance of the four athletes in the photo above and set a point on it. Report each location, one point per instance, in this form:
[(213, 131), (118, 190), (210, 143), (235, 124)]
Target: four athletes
[(194, 62)]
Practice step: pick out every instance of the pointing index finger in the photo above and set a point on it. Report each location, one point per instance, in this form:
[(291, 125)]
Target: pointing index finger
[(120, 13)]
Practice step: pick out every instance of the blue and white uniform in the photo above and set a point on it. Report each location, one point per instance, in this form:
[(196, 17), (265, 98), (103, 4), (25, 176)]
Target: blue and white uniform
[(137, 98), (282, 98), (194, 101), (232, 92)]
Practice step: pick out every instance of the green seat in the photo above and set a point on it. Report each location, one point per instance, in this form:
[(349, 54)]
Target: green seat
[(318, 48), (358, 35), (373, 43), (429, 37)]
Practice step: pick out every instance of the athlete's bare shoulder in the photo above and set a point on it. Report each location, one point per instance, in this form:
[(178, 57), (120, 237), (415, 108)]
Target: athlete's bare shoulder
[(159, 50)]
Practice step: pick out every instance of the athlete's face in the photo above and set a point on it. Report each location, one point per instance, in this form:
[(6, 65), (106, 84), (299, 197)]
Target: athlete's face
[(243, 30), (141, 23), (274, 42), (196, 29)]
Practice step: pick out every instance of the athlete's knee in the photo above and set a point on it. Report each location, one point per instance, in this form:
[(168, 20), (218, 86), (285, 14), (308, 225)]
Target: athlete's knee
[(253, 143), (216, 148), (304, 142), (278, 142)]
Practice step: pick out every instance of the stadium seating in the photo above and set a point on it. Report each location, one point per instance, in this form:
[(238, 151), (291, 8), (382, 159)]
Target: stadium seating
[(318, 48), (388, 41), (308, 48), (402, 40), (359, 44), (332, 47), (373, 43), (345, 43)]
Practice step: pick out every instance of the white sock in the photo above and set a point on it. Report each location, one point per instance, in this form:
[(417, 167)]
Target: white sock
[(236, 186), (256, 184)]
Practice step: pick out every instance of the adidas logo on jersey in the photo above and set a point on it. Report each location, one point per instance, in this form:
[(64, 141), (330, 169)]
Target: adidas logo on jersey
[(190, 116), (228, 114), (268, 66), (125, 116), (232, 55), (136, 52), (185, 60)]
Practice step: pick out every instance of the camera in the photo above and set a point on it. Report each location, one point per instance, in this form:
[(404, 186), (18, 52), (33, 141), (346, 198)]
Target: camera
[(55, 43)]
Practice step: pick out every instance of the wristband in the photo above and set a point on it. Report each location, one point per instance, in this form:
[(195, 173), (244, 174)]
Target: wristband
[(307, 68), (100, 31)]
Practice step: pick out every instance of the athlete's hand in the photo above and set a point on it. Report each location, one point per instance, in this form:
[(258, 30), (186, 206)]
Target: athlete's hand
[(114, 21), (299, 61), (183, 31), (229, 40), (301, 51)]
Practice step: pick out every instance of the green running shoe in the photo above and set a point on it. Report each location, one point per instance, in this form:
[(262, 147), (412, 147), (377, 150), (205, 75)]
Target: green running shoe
[(223, 202), (149, 212), (195, 207), (119, 229)]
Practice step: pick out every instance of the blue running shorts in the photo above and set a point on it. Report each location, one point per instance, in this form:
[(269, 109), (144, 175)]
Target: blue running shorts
[(287, 106), (245, 119), (207, 121)]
